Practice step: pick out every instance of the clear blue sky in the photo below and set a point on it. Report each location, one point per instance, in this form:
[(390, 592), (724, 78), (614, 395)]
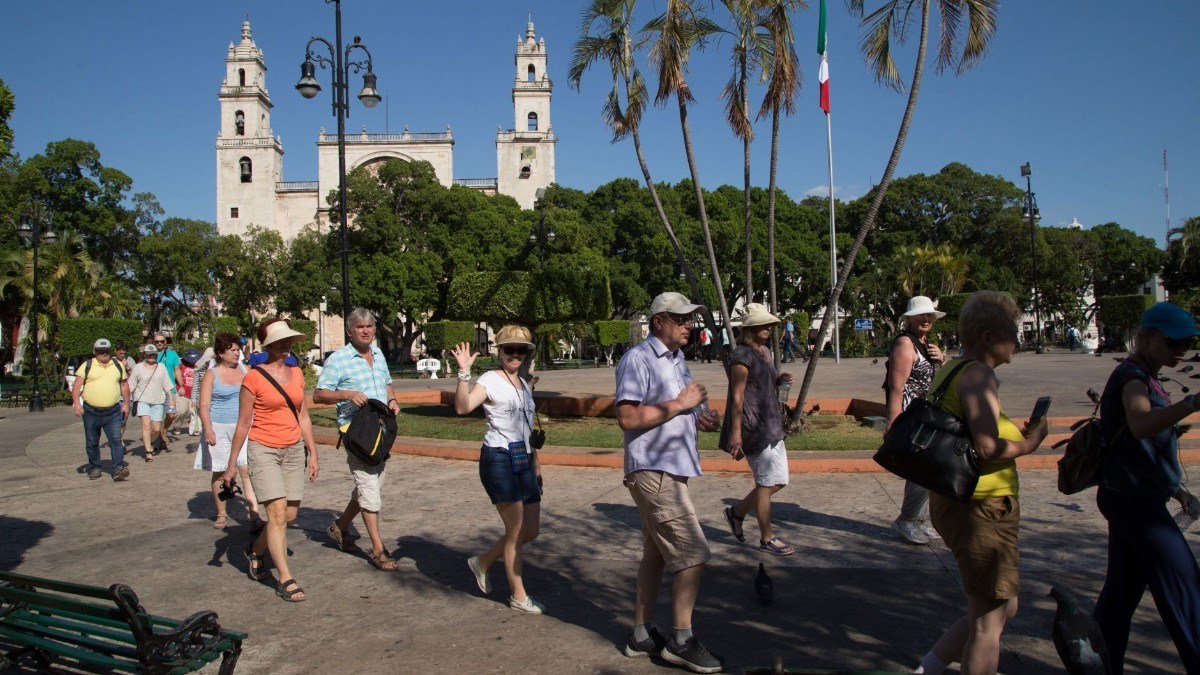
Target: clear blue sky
[(1088, 91)]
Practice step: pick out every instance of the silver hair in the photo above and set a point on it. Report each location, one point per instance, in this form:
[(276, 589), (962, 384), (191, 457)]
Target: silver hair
[(359, 315)]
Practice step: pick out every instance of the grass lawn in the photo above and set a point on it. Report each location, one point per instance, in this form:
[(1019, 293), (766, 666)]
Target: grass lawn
[(827, 432)]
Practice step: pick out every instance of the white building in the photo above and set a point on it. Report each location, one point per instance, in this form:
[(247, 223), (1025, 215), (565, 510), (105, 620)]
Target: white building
[(250, 184)]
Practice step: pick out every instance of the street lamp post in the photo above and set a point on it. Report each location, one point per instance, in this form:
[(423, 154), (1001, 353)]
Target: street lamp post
[(321, 328), (308, 86), (542, 235), (33, 231), (1031, 211)]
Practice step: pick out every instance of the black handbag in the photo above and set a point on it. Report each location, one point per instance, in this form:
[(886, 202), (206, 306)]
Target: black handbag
[(932, 447)]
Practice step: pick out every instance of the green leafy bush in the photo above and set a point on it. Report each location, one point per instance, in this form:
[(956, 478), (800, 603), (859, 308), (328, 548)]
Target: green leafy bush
[(855, 343), (952, 305), (76, 336), (612, 333), (225, 324), (528, 299), (442, 335), (309, 328), (1123, 312), (801, 321)]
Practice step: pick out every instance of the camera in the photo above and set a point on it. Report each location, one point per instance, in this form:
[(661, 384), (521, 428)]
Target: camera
[(229, 490), (537, 438)]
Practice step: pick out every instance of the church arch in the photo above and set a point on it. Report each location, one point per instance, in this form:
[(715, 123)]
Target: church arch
[(531, 74), (531, 122), (246, 168)]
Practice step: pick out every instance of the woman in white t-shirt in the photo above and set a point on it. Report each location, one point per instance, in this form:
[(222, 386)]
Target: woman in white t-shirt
[(508, 465)]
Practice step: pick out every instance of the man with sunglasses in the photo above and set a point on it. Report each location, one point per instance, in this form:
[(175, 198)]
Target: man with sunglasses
[(659, 408), (351, 375), (99, 395), (171, 362)]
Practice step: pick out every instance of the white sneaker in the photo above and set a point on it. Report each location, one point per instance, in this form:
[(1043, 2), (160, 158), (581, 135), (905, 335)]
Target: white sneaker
[(930, 531), (528, 605), (909, 531), (481, 575)]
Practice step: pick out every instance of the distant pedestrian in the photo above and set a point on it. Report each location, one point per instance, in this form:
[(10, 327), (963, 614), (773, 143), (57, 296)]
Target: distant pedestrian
[(706, 344), (788, 342), (912, 362), (206, 361), (121, 355), (220, 402), (352, 375), (152, 393), (171, 362), (185, 387), (753, 427), (281, 452), (508, 464), (98, 395), (659, 408), (983, 534), (1145, 546)]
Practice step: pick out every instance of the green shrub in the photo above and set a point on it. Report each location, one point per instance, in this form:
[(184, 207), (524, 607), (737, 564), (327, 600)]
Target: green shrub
[(226, 324), (855, 343), (76, 336), (309, 328), (1123, 312), (952, 305), (521, 297), (442, 335), (612, 333), (801, 321)]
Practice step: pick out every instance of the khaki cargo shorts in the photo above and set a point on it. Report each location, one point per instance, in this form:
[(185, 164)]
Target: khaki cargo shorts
[(670, 527), (983, 536), (277, 473), (368, 483)]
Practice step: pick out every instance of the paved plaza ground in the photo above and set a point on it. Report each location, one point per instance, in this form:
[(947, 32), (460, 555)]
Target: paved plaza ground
[(853, 597)]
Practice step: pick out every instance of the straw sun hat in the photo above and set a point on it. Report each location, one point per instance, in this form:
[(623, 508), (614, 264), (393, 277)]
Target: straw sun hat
[(514, 335), (279, 331), (757, 314)]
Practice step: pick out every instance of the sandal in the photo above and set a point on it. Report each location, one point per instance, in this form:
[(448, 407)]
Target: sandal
[(735, 523), (256, 568), (290, 596), (776, 546), (342, 539), (382, 561), (221, 521)]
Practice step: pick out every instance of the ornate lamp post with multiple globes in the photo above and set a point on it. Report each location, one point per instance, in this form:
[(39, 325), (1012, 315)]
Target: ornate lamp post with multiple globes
[(308, 86), (34, 230), (1032, 213)]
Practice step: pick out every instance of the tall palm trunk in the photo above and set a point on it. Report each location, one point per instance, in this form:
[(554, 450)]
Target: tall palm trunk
[(868, 223), (746, 190), (771, 231), (708, 242)]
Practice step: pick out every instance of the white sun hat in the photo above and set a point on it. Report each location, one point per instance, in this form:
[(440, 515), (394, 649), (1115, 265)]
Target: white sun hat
[(922, 305), (279, 331)]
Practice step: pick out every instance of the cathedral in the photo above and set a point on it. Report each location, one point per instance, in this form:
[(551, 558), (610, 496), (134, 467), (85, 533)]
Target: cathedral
[(250, 185)]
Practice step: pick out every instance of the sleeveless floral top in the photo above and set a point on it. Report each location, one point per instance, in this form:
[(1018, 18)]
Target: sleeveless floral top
[(923, 370)]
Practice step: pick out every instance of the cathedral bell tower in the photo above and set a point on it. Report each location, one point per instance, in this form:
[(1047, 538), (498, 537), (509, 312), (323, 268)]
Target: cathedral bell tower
[(249, 156), (525, 153)]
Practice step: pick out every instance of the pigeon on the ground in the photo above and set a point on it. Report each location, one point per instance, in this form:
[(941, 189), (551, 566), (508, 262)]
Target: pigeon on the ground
[(1186, 369), (1195, 377), (764, 588), (1077, 638), (874, 361), (815, 409), (1098, 354)]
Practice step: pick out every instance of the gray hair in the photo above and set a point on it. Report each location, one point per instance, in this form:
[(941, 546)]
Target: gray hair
[(359, 315)]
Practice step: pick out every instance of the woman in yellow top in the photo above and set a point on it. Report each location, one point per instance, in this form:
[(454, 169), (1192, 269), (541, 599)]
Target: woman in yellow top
[(983, 533)]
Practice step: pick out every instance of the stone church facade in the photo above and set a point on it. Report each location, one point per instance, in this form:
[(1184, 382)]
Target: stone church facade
[(250, 184)]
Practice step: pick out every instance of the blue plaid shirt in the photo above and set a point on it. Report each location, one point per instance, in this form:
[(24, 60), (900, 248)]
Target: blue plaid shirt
[(347, 370)]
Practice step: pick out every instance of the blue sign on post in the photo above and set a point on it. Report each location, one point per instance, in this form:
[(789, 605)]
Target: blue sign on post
[(864, 324)]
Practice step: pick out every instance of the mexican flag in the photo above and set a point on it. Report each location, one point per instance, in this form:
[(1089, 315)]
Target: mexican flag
[(823, 74)]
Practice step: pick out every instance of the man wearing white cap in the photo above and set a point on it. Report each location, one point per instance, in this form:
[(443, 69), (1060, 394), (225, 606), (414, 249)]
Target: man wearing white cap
[(659, 408), (100, 396)]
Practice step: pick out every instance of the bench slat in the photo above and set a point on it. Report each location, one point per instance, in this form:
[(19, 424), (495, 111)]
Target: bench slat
[(71, 639), (57, 620), (56, 602), (57, 586), (92, 658)]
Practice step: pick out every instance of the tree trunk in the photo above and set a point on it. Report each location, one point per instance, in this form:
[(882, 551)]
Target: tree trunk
[(746, 190), (868, 223), (708, 243), (771, 231)]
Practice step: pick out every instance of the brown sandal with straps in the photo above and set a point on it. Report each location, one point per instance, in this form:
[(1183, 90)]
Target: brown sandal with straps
[(382, 561)]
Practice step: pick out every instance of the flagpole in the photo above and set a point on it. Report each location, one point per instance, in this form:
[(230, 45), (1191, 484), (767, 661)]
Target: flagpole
[(837, 338)]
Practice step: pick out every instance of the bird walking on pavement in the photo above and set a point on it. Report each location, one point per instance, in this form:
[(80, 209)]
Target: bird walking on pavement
[(764, 588), (874, 361), (1077, 638), (1185, 369)]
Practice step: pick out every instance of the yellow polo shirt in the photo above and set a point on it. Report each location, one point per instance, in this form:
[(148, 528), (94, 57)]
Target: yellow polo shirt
[(995, 480), (102, 386)]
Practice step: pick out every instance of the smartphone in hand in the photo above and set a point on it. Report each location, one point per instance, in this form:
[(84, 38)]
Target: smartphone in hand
[(1040, 408)]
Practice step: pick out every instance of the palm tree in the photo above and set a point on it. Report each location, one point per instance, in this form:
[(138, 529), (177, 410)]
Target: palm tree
[(674, 32), (615, 45), (890, 21), (783, 84), (749, 49)]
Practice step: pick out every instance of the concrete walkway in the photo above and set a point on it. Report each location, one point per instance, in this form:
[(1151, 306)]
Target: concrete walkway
[(853, 597)]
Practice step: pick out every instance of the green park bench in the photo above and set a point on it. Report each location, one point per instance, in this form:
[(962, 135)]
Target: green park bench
[(15, 395), (402, 371), (105, 629)]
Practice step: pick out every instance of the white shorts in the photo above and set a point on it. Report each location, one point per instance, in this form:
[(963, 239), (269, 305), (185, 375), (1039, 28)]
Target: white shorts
[(770, 467), (368, 483), (216, 457)]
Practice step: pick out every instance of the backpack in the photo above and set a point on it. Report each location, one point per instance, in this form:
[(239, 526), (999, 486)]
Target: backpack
[(1082, 463), (370, 434)]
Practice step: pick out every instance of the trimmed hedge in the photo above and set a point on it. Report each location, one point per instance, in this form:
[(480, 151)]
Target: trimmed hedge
[(76, 336), (521, 297), (442, 335), (952, 305), (613, 333), (1123, 312)]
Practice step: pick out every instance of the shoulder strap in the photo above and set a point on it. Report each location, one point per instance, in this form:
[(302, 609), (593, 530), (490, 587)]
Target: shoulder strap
[(139, 392), (87, 366), (937, 394), (286, 398)]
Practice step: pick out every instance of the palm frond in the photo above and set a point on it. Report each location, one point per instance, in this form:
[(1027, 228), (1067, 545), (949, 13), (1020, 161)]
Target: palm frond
[(951, 17), (876, 46), (981, 28)]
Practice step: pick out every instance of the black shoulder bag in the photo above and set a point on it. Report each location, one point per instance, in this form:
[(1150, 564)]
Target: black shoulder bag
[(932, 447)]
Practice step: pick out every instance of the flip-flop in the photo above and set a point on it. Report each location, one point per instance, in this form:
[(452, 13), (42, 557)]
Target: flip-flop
[(735, 523), (221, 521), (776, 546)]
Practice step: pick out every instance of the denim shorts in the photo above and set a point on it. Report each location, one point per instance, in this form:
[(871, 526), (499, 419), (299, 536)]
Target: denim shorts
[(502, 485)]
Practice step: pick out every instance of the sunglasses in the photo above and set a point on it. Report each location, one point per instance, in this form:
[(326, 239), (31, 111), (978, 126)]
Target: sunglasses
[(681, 319), (515, 351), (1180, 343), (160, 342)]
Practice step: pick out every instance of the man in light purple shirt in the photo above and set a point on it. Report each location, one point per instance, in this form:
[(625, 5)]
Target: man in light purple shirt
[(659, 408)]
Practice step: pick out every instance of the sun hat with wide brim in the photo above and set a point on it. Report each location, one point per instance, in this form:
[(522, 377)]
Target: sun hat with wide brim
[(514, 335), (922, 305), (279, 331), (757, 314)]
